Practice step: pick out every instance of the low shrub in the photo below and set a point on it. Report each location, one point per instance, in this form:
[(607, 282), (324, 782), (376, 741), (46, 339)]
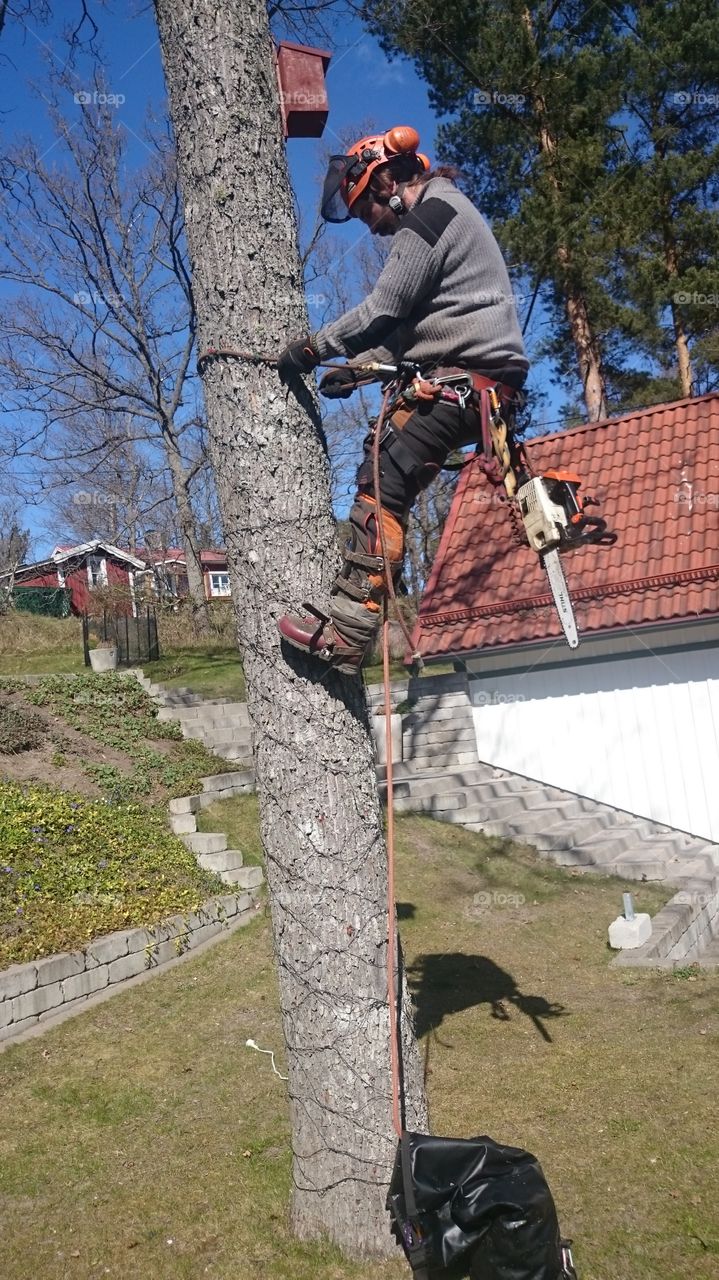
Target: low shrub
[(72, 869), (20, 730)]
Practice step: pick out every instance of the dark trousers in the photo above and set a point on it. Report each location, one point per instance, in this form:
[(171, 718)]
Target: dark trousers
[(411, 456)]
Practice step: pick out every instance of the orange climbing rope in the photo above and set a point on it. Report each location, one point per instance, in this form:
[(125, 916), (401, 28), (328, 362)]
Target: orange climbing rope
[(394, 1031)]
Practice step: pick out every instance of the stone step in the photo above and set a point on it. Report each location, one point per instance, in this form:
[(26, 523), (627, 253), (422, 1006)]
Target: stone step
[(236, 753), (205, 841), (227, 860), (220, 736), (230, 778), (183, 824), (429, 742), (634, 837), (206, 715), (469, 777), (244, 877), (445, 759), (498, 803), (184, 805)]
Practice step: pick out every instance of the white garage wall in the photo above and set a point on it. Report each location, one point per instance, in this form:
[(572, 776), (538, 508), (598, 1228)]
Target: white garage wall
[(638, 733)]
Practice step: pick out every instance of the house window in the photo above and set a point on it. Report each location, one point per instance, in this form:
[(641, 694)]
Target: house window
[(97, 571), (219, 584)]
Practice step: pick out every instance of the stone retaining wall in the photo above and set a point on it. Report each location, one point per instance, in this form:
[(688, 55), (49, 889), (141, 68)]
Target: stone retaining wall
[(680, 932), (40, 991), (437, 721)]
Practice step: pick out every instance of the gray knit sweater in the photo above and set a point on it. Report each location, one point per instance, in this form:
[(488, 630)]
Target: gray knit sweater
[(443, 297)]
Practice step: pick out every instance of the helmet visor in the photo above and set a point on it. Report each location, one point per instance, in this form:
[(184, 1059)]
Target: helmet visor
[(334, 207)]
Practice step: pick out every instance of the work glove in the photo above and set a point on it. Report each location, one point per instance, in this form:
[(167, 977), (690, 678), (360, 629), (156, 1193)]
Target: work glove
[(298, 357), (339, 383)]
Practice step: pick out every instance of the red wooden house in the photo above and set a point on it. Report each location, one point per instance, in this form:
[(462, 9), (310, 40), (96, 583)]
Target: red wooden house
[(81, 569)]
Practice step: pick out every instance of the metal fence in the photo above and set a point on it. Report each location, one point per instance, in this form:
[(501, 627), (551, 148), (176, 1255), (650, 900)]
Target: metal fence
[(135, 638)]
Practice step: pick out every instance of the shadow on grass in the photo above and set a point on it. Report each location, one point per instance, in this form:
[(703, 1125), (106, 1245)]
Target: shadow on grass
[(444, 984)]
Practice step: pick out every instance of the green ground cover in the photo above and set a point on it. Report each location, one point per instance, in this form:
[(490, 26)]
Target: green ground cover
[(72, 869), (93, 853), (142, 1139)]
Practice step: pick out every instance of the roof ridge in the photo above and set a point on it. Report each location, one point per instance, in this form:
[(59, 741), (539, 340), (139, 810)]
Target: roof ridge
[(646, 412)]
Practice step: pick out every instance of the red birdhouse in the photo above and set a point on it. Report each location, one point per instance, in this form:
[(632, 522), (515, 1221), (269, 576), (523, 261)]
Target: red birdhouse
[(303, 96)]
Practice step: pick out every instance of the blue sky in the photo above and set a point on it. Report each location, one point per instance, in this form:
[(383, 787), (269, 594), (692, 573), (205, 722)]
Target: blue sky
[(362, 86)]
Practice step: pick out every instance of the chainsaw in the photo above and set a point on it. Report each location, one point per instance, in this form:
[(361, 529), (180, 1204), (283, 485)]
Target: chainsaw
[(554, 517)]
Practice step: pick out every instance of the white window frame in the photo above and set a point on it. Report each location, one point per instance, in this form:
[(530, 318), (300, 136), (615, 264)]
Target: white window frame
[(102, 575), (219, 591)]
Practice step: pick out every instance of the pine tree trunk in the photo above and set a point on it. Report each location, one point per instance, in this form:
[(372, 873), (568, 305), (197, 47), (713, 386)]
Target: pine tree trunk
[(587, 349), (586, 344), (681, 343), (320, 814)]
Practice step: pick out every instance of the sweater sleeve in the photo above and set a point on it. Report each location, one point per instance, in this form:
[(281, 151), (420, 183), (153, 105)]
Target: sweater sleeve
[(410, 273)]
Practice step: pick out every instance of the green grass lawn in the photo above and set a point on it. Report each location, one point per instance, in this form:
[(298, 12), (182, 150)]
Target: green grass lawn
[(239, 819), (31, 645), (215, 671), (142, 1140)]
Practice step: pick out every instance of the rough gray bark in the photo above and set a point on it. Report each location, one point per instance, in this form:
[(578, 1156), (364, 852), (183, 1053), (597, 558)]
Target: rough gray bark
[(320, 813)]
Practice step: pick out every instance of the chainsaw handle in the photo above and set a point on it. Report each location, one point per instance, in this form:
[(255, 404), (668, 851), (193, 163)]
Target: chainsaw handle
[(591, 529)]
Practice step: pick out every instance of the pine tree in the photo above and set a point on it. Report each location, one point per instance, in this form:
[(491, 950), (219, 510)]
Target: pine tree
[(667, 223), (532, 88), (321, 820)]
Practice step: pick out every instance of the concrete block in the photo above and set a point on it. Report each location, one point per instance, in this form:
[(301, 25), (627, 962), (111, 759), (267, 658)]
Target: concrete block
[(55, 968), (626, 934), (126, 967), (227, 860), (443, 803), (169, 950), (206, 841), (16, 980), (220, 781), (16, 1028), (172, 926), (184, 804), (83, 984), (232, 903), (210, 930), (245, 877), (49, 1014), (183, 823), (379, 734), (139, 939), (5, 1013), (106, 950), (33, 1003)]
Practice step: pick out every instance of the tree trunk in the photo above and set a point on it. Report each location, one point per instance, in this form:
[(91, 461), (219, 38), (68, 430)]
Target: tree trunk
[(586, 344), (320, 814), (686, 376), (586, 347)]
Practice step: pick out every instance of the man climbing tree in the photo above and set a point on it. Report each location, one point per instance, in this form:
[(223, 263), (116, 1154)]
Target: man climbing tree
[(320, 815), (443, 302)]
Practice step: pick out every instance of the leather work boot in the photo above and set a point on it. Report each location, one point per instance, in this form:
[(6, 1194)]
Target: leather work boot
[(317, 635)]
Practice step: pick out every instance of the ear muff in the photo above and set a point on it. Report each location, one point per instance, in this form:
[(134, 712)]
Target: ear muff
[(404, 140), (400, 139)]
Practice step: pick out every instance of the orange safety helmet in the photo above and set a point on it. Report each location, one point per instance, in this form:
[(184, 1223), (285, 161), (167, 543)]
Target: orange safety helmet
[(348, 175)]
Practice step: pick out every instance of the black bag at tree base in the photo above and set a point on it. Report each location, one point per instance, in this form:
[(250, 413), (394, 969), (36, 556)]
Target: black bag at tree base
[(470, 1207)]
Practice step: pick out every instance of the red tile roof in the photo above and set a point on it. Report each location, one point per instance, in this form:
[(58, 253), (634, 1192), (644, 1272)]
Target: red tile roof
[(656, 475)]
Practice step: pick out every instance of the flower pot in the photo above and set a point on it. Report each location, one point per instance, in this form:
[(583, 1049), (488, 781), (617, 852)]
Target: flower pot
[(103, 659)]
